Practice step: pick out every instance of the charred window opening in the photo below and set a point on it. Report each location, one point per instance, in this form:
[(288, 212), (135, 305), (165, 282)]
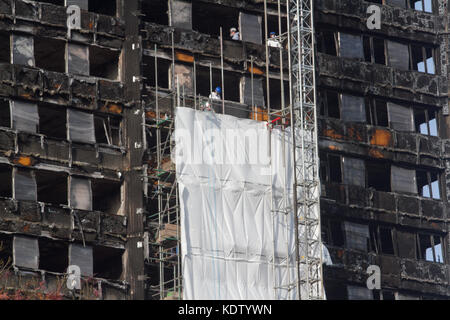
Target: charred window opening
[(337, 234), (50, 54), (272, 26), (156, 11), (422, 5), (330, 106), (335, 290), (275, 93), (52, 121), (53, 255), (335, 170), (104, 63), (406, 244), (422, 59), (163, 67), (376, 112), (5, 51), (378, 176), (106, 7), (108, 263), (326, 42), (108, 130), (430, 248), (374, 50), (6, 252), (426, 121), (333, 232), (428, 184), (386, 241), (51, 187), (106, 196), (331, 168), (6, 181), (208, 18), (231, 79), (5, 114)]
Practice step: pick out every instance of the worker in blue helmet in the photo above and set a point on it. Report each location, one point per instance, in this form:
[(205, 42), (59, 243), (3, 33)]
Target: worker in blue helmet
[(273, 41), (216, 94)]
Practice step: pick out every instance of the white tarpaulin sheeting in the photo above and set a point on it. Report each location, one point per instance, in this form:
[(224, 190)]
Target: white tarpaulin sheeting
[(229, 187)]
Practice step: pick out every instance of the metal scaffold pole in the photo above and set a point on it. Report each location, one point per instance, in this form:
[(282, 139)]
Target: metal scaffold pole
[(305, 151)]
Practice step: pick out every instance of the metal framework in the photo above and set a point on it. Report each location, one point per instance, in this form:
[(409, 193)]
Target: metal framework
[(162, 190), (303, 115), (299, 114)]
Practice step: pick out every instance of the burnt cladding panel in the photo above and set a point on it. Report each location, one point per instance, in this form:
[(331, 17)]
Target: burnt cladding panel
[(250, 28), (181, 14)]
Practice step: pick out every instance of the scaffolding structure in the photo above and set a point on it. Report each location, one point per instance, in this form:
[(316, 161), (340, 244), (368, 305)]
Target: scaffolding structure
[(299, 115), (306, 159)]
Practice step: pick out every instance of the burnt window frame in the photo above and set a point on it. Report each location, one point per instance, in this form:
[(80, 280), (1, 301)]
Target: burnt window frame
[(327, 223), (324, 105), (375, 244), (431, 237), (427, 112), (321, 43), (429, 183), (325, 164), (424, 59), (410, 6), (388, 167), (110, 123), (372, 47), (372, 112)]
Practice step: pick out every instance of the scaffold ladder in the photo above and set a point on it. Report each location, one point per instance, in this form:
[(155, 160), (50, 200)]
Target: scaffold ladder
[(305, 150)]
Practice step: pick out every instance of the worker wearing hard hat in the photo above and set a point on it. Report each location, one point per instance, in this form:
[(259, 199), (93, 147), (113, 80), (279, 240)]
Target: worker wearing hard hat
[(216, 94), (234, 34), (273, 41)]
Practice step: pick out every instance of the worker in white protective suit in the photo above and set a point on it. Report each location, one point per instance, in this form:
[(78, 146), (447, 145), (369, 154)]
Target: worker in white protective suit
[(234, 34), (273, 41), (216, 94)]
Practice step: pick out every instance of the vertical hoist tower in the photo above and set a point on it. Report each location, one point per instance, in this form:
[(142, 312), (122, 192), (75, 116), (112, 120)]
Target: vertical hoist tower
[(305, 145)]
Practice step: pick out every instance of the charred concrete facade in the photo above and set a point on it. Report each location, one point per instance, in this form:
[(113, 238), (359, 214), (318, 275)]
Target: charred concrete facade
[(86, 120), (65, 165)]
